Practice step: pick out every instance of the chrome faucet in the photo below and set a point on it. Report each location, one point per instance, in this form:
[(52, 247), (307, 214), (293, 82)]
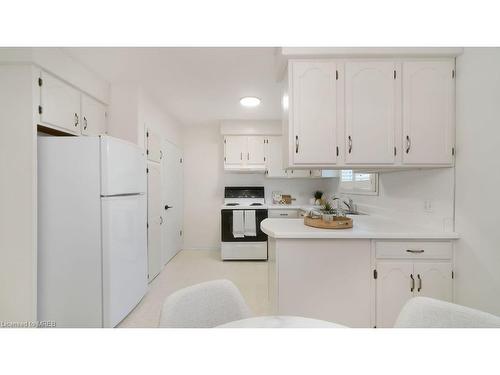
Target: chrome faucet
[(350, 205)]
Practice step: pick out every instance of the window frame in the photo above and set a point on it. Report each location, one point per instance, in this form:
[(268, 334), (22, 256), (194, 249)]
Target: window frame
[(357, 191)]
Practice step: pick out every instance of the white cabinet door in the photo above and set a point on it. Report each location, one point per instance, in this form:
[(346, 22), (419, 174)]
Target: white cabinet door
[(155, 220), (255, 150), (93, 116), (274, 157), (428, 112), (153, 146), (313, 113), (370, 112), (394, 288), (434, 280), (235, 147), (60, 104)]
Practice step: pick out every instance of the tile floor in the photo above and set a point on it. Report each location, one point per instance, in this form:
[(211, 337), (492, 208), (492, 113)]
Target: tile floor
[(190, 267)]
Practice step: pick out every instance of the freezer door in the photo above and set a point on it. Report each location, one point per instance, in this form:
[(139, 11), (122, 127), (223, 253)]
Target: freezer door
[(124, 239), (123, 167)]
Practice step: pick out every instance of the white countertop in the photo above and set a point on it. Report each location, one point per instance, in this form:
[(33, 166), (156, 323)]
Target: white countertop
[(364, 226), (304, 207)]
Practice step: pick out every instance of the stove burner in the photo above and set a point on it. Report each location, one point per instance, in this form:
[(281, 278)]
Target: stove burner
[(232, 204)]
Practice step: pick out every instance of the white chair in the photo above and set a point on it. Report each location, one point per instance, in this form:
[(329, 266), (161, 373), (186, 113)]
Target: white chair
[(204, 305), (422, 312)]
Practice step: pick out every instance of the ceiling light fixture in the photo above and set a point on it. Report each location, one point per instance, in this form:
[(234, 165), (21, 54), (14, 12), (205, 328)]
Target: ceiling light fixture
[(250, 101)]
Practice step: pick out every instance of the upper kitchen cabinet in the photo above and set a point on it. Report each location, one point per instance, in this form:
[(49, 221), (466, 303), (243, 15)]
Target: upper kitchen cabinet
[(93, 116), (59, 104), (255, 150), (428, 112), (312, 113), (243, 152), (371, 97), (274, 157), (153, 146)]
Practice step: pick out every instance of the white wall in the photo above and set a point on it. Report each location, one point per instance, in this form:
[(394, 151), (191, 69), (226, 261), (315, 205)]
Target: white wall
[(131, 110), (478, 179), (204, 181), (402, 196), (18, 193)]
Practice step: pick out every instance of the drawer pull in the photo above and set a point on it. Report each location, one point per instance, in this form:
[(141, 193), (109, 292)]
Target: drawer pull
[(283, 214), (415, 251), (412, 283), (419, 283)]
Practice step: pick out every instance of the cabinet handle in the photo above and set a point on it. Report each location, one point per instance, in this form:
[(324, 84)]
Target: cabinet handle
[(296, 144), (419, 283), (350, 143), (408, 144), (84, 123), (76, 119), (415, 251), (248, 156), (283, 214), (412, 283), (241, 155), (161, 154), (161, 220)]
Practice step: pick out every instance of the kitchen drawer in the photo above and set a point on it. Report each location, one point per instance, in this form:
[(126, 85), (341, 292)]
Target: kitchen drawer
[(413, 249), (286, 214)]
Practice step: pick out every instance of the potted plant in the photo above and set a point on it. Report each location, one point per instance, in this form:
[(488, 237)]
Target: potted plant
[(328, 212), (317, 196)]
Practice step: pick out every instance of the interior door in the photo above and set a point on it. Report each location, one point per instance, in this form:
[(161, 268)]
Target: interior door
[(394, 288), (434, 280), (235, 148), (314, 111), (255, 150), (428, 112), (60, 104), (155, 220), (172, 165), (93, 116), (370, 105)]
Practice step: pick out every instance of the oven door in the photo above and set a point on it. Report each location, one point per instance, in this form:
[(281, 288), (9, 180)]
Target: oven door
[(227, 227)]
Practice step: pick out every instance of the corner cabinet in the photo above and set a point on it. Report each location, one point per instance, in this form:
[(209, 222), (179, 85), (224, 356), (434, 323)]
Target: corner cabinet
[(313, 112), (428, 112), (369, 114)]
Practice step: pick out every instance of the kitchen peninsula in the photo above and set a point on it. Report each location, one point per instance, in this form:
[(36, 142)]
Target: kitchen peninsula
[(360, 277)]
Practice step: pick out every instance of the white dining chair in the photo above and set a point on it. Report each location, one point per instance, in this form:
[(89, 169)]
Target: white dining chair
[(423, 312), (204, 305)]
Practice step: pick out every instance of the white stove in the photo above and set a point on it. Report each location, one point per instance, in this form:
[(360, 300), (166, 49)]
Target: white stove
[(243, 210)]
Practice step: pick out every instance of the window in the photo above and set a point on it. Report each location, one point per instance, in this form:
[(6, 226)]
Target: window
[(358, 183)]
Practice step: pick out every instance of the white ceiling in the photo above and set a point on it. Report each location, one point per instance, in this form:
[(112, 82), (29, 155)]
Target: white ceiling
[(195, 85)]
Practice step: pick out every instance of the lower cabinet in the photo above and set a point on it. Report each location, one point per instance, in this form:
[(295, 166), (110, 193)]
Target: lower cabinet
[(410, 269)]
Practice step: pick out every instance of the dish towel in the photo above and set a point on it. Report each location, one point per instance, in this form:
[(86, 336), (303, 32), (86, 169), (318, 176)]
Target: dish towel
[(238, 224), (250, 227)]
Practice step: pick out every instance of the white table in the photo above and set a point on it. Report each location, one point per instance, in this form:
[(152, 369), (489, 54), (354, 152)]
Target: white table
[(280, 322)]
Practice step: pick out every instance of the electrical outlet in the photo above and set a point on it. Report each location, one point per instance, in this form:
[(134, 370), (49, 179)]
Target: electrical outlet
[(428, 206)]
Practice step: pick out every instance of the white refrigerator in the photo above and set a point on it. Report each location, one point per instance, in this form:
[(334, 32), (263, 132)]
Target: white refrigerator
[(92, 235)]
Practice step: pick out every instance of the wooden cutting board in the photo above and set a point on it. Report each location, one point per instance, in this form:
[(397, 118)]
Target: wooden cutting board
[(336, 223)]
